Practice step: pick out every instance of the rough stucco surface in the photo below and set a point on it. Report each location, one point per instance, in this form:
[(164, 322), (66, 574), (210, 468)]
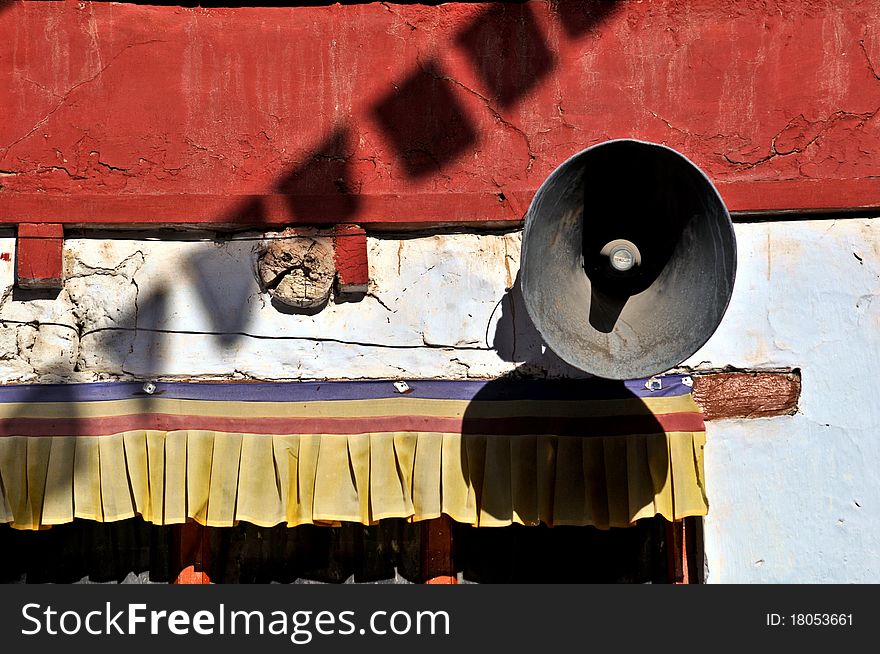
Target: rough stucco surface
[(189, 308), (110, 100), (805, 296), (797, 499)]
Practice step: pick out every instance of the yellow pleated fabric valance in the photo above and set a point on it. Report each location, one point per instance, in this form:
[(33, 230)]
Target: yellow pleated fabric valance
[(484, 453)]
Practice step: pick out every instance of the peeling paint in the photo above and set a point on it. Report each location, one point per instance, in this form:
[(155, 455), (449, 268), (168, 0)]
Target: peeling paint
[(204, 109), (444, 306)]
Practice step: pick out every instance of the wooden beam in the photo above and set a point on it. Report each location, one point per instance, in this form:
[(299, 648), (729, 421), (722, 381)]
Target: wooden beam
[(270, 209), (352, 267), (438, 566), (192, 546), (175, 115), (38, 256), (755, 394), (684, 551), (413, 210)]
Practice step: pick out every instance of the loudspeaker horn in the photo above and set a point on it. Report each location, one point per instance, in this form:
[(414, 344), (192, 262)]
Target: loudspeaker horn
[(628, 259)]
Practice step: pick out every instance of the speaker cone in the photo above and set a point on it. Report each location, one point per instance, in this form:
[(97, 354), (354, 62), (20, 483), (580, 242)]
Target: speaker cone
[(628, 259)]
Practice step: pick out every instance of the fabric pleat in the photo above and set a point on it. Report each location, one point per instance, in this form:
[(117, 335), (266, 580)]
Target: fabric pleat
[(220, 478), (488, 453)]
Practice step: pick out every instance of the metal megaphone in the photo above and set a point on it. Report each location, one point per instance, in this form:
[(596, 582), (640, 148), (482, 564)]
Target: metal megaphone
[(628, 259)]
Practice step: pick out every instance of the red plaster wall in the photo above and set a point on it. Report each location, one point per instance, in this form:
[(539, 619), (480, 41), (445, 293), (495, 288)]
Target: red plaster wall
[(407, 113)]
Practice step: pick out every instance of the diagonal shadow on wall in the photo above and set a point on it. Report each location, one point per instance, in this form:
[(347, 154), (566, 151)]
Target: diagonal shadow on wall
[(427, 128), (326, 172), (508, 73), (580, 16), (424, 121)]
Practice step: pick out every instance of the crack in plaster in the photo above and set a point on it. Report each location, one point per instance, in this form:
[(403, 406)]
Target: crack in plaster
[(379, 300), (459, 362), (93, 313), (116, 271), (317, 340), (870, 63), (699, 135), (560, 111), (63, 98), (110, 167), (826, 124), (43, 169), (388, 8), (488, 104)]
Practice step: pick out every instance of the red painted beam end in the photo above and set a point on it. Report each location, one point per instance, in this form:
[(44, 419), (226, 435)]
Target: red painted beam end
[(193, 548), (352, 269), (438, 565), (39, 255)]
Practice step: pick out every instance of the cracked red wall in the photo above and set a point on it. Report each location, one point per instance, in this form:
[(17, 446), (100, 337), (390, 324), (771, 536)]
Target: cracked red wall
[(104, 102)]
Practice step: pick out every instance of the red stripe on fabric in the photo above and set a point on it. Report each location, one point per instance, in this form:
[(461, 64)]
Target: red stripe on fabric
[(599, 426)]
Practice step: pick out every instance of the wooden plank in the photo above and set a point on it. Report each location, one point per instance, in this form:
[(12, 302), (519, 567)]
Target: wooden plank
[(415, 210), (38, 256), (192, 546), (684, 551), (352, 265), (438, 566), (675, 555), (256, 209), (747, 394)]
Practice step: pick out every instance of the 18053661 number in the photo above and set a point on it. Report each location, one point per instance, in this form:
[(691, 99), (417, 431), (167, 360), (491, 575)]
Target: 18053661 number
[(821, 619)]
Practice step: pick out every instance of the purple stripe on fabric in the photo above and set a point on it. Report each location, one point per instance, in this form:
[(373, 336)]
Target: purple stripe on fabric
[(524, 425), (498, 389)]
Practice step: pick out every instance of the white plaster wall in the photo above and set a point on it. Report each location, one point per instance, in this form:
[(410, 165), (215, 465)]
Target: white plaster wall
[(149, 307), (797, 499), (792, 499)]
